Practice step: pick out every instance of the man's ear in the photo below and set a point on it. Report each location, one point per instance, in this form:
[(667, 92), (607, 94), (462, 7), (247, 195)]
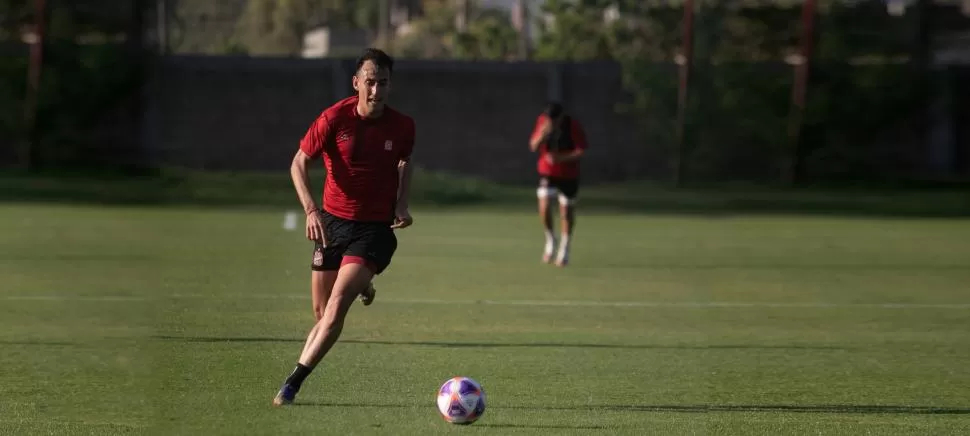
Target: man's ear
[(353, 82)]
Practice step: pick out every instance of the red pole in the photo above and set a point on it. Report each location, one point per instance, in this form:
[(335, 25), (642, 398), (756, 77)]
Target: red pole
[(799, 88), (683, 87), (34, 69)]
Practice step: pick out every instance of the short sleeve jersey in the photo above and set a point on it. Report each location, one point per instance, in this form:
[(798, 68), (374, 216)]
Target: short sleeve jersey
[(564, 170), (361, 156)]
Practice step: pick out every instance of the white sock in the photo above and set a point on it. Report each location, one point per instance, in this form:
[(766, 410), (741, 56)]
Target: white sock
[(550, 243), (564, 248)]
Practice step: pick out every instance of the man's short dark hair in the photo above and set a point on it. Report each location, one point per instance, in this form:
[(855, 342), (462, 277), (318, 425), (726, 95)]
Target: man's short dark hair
[(554, 109), (376, 55)]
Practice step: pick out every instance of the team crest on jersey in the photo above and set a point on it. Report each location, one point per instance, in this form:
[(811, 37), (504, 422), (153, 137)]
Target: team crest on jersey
[(343, 137), (388, 145)]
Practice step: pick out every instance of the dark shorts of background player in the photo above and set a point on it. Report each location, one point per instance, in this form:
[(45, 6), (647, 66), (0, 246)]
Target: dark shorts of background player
[(569, 188), (369, 243)]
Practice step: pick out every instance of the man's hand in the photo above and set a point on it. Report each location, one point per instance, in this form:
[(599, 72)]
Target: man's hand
[(314, 227), (560, 157), (546, 129), (542, 135), (402, 218), (298, 172)]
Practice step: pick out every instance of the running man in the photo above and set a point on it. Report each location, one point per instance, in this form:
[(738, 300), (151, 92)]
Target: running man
[(560, 142), (366, 148)]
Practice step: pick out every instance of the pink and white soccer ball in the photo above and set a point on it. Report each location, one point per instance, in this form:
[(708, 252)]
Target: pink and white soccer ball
[(461, 400)]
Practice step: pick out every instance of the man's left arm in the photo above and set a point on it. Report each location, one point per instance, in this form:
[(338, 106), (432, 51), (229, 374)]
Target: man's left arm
[(404, 183), (402, 212)]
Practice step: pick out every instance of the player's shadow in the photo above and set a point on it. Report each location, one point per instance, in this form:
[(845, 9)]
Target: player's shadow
[(445, 344), (213, 339), (546, 426), (421, 406), (38, 343), (684, 408), (755, 408), (640, 264), (301, 403)]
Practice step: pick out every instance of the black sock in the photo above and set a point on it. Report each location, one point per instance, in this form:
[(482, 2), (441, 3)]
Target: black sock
[(299, 374)]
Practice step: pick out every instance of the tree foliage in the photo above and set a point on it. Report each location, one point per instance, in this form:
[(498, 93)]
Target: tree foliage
[(740, 87), (277, 27), (489, 35)]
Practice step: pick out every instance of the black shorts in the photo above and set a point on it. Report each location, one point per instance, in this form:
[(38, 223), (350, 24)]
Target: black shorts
[(566, 189), (372, 242)]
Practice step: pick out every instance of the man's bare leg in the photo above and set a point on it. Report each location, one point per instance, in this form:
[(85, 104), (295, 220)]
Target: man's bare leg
[(545, 215), (567, 216), (321, 286), (351, 280)]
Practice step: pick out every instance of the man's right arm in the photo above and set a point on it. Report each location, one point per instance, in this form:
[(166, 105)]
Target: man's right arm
[(301, 181), (540, 134), (311, 147)]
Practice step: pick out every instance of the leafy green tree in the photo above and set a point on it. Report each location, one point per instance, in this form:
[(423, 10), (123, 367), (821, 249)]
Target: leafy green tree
[(489, 35)]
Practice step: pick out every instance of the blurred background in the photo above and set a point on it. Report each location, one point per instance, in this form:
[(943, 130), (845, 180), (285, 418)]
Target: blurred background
[(679, 92), (773, 233)]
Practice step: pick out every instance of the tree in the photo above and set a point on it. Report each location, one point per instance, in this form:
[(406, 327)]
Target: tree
[(642, 36), (277, 27), (82, 81), (575, 30), (489, 36), (13, 14)]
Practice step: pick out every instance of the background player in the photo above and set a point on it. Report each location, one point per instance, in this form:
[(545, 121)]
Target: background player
[(560, 142), (366, 148)]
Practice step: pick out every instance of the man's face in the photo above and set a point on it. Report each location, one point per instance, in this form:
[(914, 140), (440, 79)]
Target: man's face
[(373, 85)]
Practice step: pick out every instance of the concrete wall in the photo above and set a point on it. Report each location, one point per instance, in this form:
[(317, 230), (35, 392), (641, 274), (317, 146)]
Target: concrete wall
[(472, 118), (226, 113)]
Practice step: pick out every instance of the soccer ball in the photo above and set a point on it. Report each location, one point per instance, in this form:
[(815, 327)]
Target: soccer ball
[(461, 400)]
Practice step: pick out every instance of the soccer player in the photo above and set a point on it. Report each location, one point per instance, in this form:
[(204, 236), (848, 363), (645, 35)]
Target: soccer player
[(366, 148), (560, 142)]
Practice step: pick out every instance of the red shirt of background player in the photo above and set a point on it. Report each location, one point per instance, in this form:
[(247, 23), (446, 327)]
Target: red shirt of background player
[(361, 157), (561, 170)]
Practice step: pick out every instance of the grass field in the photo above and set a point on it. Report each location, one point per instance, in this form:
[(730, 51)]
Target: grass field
[(149, 320)]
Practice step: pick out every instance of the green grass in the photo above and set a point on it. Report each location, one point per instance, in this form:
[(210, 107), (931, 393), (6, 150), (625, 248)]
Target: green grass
[(148, 320)]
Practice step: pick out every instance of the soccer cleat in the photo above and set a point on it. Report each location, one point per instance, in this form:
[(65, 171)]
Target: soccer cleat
[(563, 256), (367, 296), (549, 251), (285, 396), (562, 260)]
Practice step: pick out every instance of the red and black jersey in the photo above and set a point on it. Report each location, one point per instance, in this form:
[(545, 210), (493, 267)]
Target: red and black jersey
[(361, 156), (569, 136)]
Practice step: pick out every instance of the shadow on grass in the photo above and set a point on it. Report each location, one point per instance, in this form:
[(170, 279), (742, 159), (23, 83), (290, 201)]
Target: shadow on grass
[(38, 343), (546, 426), (688, 408), (86, 257), (860, 266), (762, 408), (442, 344), (334, 404)]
